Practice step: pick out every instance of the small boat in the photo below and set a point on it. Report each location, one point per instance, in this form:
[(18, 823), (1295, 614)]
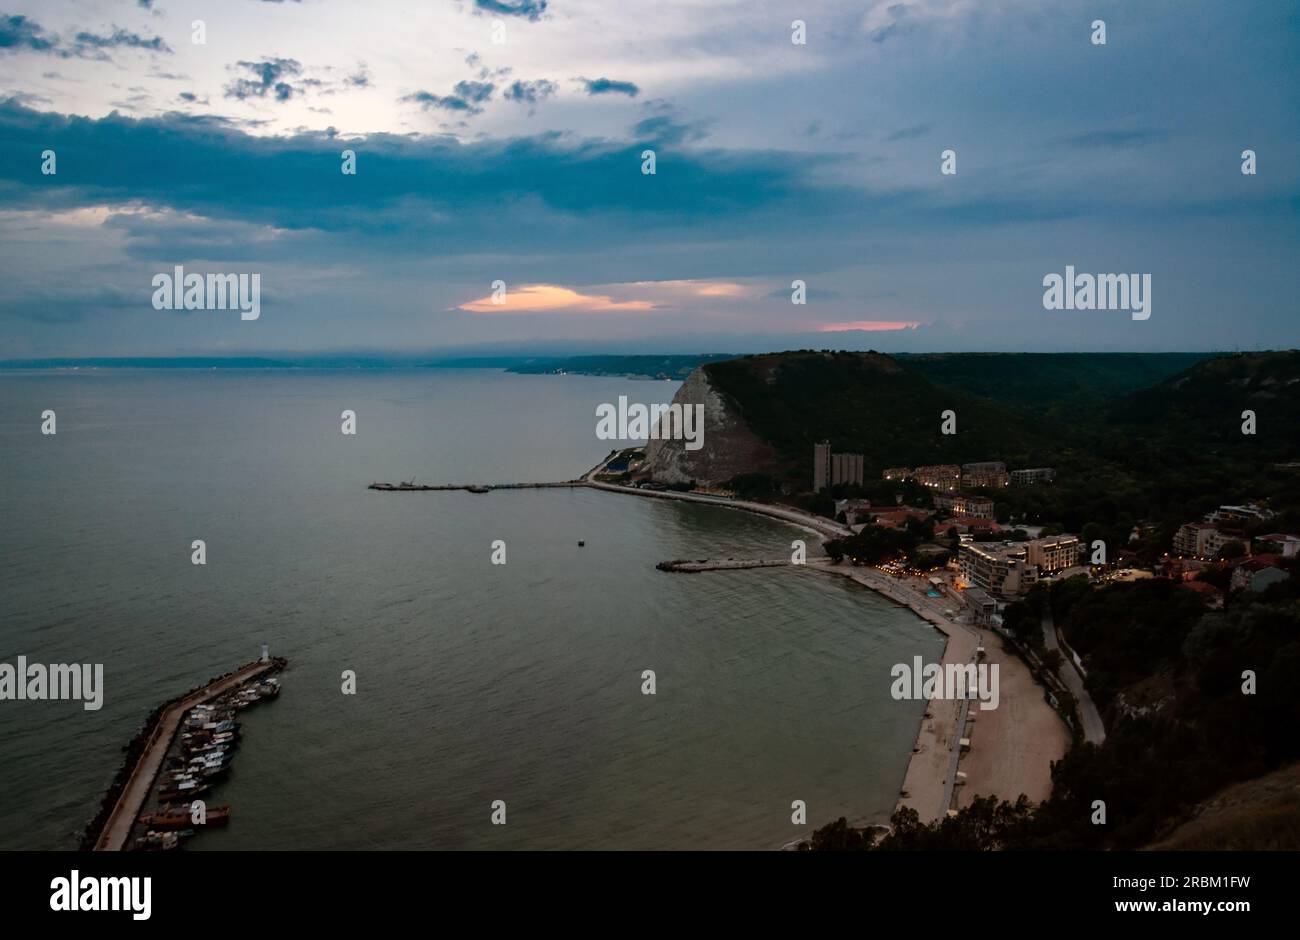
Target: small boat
[(182, 818)]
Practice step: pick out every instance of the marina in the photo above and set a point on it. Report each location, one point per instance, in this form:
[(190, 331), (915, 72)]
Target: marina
[(189, 746)]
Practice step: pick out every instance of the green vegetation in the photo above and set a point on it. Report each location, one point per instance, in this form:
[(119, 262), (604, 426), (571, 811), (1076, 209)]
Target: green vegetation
[(1161, 455), (876, 544), (1167, 673)]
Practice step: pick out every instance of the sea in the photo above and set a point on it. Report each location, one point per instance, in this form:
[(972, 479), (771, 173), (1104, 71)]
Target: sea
[(475, 682)]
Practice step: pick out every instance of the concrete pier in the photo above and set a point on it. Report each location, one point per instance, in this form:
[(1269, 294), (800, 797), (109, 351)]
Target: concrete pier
[(117, 828)]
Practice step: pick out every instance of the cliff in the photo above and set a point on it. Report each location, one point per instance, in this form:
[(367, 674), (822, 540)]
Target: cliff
[(730, 447)]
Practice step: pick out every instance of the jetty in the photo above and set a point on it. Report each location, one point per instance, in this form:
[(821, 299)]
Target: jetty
[(412, 487), (722, 564), (116, 828)]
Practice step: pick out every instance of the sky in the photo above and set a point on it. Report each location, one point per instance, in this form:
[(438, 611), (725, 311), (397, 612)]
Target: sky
[(499, 155)]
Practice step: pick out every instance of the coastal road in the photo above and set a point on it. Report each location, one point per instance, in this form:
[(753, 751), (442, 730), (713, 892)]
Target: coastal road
[(1093, 728), (118, 825)]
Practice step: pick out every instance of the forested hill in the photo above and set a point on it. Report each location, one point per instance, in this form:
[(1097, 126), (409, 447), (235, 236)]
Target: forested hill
[(1050, 382), (872, 404)]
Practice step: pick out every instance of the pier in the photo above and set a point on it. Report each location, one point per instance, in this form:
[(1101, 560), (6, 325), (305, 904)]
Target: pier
[(413, 487), (117, 827), (723, 564)]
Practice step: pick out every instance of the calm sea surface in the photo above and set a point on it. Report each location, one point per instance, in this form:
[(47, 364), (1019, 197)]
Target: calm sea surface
[(475, 682)]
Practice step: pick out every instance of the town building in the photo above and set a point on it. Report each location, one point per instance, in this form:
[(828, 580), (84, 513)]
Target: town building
[(1199, 540), (965, 524), (855, 510), (1033, 475), (834, 469), (988, 473), (1000, 568), (983, 606), (1290, 544), (946, 476), (897, 473), (846, 468), (1055, 553), (960, 504), (1239, 514), (821, 465), (1259, 573), (896, 517)]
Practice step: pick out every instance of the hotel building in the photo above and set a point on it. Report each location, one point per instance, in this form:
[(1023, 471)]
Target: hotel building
[(1000, 568), (946, 476), (980, 507), (1055, 553), (990, 473)]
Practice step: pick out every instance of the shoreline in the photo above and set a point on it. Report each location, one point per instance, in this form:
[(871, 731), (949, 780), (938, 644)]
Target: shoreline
[(1023, 736)]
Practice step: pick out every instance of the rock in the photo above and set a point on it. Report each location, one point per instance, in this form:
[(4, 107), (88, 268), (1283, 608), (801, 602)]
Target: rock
[(729, 448)]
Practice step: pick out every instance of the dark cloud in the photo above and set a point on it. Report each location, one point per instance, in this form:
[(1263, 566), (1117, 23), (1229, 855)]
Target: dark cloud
[(665, 129), (530, 92), (528, 9), (121, 39), (429, 101), (18, 32), (267, 80), (466, 98), (607, 86), (474, 92)]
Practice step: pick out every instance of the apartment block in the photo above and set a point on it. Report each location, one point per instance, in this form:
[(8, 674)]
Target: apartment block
[(988, 473), (945, 476), (1055, 553), (1199, 539), (833, 469), (1033, 475)]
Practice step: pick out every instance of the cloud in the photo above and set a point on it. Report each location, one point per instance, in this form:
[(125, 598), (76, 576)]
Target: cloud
[(551, 298), (528, 9), (530, 92), (1112, 138), (867, 326), (474, 92), (667, 130), (121, 38), (607, 86), (18, 32), (907, 133), (268, 79)]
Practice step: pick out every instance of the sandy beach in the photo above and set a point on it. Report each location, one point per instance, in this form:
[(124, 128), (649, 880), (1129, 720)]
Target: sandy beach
[(1012, 747)]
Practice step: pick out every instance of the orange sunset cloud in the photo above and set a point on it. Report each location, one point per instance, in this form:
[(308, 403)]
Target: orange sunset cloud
[(549, 298)]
